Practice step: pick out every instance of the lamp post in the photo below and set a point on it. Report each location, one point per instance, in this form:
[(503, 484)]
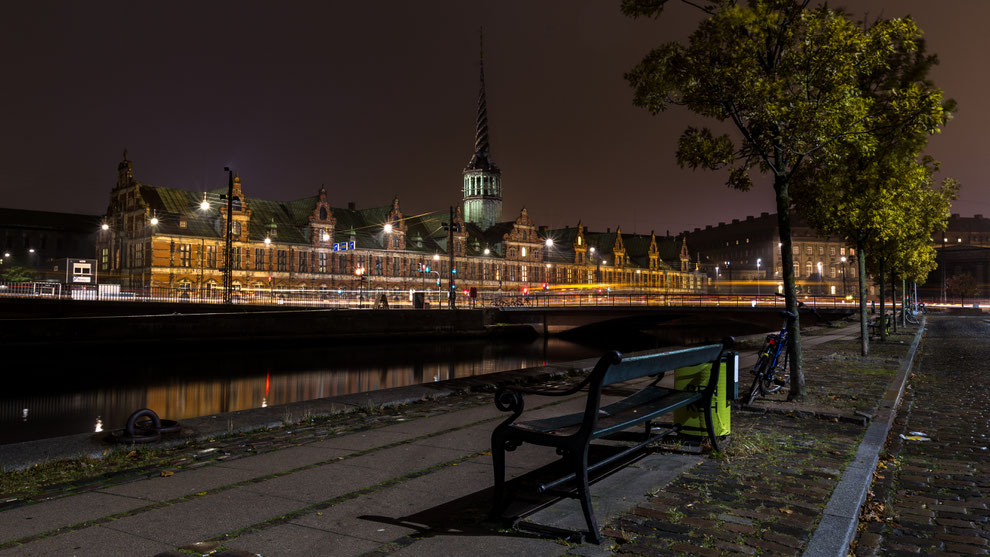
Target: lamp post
[(228, 275), (820, 287), (728, 266), (716, 280), (843, 260), (204, 206), (758, 262), (594, 255)]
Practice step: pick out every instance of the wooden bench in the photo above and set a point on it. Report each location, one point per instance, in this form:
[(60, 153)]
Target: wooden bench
[(571, 434)]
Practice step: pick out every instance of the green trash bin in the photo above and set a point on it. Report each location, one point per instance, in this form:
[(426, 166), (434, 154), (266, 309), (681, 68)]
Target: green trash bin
[(694, 378)]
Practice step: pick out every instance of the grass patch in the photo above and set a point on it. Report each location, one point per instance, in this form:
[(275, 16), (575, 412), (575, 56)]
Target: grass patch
[(751, 445), (30, 482)]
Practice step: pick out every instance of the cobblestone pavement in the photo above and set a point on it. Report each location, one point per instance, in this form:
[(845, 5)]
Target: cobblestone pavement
[(931, 496), (767, 493)]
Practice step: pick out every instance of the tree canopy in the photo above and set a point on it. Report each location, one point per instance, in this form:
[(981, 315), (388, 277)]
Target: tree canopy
[(789, 80)]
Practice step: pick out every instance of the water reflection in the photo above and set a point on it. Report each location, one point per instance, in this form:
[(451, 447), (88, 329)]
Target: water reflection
[(69, 394)]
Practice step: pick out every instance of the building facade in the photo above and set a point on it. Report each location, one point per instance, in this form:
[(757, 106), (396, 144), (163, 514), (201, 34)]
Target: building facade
[(42, 240), (964, 248), (743, 257)]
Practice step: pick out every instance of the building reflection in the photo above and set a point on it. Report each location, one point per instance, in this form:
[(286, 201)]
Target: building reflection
[(204, 382)]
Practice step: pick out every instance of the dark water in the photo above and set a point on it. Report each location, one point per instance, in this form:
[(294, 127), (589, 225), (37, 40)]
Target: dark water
[(97, 389), (66, 391)]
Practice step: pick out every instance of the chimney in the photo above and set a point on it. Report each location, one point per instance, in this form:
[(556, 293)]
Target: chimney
[(977, 216), (351, 205), (764, 215), (735, 221), (608, 230)]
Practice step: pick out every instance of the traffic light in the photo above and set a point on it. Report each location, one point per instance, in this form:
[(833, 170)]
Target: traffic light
[(438, 282), (454, 271), (426, 269), (525, 290), (545, 287)]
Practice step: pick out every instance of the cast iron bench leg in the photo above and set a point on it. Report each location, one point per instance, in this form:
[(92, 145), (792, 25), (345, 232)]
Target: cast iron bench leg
[(584, 493), (498, 464)]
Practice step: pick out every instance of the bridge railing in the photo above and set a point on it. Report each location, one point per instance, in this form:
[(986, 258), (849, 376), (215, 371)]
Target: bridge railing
[(605, 299)]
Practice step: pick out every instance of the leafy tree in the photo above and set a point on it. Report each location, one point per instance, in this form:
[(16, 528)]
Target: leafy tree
[(963, 285), (906, 216), (872, 190), (10, 272), (785, 77)]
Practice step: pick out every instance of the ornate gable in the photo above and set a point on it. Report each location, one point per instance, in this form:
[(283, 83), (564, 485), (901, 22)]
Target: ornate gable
[(580, 245), (654, 252), (395, 238), (619, 249), (321, 221), (241, 212), (522, 243)]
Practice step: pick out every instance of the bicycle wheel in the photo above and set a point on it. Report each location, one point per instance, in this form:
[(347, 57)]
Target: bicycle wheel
[(779, 376), (759, 370)]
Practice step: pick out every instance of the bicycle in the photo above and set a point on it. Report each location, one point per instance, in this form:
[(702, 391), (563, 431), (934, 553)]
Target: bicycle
[(771, 372)]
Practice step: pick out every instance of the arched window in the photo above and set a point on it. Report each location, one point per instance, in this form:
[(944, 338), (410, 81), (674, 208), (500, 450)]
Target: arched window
[(323, 213)]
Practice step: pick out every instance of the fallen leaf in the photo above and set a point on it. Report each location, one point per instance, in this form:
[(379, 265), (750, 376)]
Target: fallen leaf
[(132, 454), (167, 473), (786, 511)]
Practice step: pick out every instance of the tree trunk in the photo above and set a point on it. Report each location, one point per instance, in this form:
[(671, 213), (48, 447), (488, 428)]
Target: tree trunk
[(864, 319), (882, 316), (797, 391), (893, 301)]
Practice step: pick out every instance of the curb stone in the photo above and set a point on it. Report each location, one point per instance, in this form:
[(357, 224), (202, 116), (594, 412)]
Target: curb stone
[(837, 528)]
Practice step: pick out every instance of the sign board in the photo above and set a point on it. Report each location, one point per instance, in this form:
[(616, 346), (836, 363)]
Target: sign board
[(343, 246), (80, 271)]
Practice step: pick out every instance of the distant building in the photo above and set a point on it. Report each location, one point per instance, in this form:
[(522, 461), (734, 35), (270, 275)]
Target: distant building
[(742, 254), (40, 240), (963, 248)]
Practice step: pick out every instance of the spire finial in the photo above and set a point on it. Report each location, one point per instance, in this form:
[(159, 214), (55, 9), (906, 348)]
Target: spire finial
[(481, 44)]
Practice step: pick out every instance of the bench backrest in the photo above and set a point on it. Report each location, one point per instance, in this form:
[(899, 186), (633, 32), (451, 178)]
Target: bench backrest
[(621, 369), (614, 368)]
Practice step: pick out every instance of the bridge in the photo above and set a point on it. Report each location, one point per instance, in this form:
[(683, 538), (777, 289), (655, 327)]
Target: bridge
[(566, 321)]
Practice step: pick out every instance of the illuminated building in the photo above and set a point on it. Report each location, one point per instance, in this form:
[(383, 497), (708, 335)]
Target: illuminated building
[(165, 237)]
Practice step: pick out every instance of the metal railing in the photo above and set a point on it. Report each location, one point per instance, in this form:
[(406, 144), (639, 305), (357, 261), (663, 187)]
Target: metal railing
[(432, 298)]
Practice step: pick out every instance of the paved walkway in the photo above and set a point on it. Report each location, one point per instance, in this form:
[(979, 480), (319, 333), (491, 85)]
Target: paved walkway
[(932, 492), (415, 480)]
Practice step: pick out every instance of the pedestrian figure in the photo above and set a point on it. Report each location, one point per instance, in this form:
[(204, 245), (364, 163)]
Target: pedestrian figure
[(873, 306)]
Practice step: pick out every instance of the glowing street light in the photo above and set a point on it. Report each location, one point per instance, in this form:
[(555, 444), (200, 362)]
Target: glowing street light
[(268, 240), (388, 228), (105, 226), (154, 221), (758, 262), (487, 251), (204, 205)]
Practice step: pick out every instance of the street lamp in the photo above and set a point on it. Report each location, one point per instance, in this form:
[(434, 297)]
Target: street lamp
[(728, 266), (228, 273), (758, 262), (716, 280), (598, 261), (820, 279), (843, 260)]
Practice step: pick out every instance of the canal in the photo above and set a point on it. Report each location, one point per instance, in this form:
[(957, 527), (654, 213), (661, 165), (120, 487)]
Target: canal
[(95, 388)]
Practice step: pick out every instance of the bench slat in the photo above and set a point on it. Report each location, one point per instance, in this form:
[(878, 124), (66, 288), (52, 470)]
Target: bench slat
[(648, 364), (636, 408)]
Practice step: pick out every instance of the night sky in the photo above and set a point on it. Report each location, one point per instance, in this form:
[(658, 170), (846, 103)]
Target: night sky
[(375, 99)]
